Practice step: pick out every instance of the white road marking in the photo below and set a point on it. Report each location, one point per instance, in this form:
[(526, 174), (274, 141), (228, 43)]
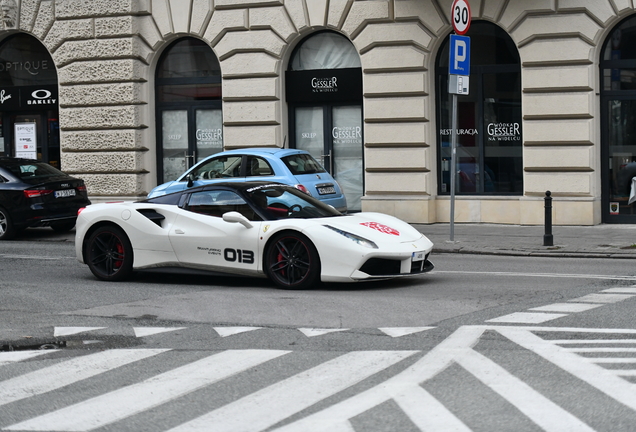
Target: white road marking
[(229, 331), (628, 290), (7, 357), (612, 360), (311, 332), (601, 350), (336, 417), (527, 318), (603, 298), (119, 404), (605, 381), (66, 331), (548, 275), (148, 331), (270, 405), (402, 331), (542, 411), (624, 372), (593, 341), (566, 307), (69, 372)]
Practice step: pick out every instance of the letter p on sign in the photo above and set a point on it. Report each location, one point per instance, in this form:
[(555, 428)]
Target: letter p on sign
[(459, 63)]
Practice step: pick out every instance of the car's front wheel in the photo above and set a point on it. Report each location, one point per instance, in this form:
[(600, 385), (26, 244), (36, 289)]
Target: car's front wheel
[(109, 254), (292, 262), (7, 230)]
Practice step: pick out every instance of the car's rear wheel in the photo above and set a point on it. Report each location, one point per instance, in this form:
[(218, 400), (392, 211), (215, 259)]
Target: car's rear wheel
[(292, 262), (62, 226), (7, 230), (109, 254)]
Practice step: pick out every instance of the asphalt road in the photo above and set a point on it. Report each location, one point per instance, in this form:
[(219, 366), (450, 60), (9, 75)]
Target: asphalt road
[(483, 343)]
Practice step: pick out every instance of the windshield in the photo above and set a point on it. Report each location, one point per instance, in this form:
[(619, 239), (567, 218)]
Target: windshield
[(281, 202), (302, 163)]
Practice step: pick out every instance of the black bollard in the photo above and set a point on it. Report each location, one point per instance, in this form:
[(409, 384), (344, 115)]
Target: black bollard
[(547, 237)]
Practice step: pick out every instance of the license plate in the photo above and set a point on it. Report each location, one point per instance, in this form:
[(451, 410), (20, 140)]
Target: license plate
[(326, 190), (418, 256), (64, 193)]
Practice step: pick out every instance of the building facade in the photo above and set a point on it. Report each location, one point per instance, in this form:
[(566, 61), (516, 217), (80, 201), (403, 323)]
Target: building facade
[(127, 94)]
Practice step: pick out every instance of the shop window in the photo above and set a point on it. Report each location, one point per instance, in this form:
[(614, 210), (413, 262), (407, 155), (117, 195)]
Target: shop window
[(324, 93), (489, 134), (189, 115), (618, 124)]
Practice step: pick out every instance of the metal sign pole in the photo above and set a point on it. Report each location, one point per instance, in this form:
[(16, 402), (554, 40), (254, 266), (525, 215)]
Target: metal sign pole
[(453, 171)]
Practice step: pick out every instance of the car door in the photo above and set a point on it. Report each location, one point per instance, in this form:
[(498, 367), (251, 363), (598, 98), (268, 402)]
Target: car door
[(202, 239)]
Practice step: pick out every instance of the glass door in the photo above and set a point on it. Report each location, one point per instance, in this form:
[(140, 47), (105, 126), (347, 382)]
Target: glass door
[(174, 143), (333, 136), (187, 137), (619, 197), (346, 152)]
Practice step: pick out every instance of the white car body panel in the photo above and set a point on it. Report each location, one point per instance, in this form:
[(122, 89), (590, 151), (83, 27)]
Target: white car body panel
[(198, 241)]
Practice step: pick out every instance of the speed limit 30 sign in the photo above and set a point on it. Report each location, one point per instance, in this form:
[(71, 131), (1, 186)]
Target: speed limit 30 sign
[(460, 16)]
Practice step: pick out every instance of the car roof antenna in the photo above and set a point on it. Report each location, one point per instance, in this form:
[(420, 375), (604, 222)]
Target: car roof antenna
[(284, 141)]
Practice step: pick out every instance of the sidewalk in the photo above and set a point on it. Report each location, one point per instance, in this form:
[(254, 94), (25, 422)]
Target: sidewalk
[(598, 241)]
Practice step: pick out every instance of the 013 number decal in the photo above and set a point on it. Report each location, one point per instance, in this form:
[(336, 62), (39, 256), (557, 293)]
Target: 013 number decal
[(242, 256)]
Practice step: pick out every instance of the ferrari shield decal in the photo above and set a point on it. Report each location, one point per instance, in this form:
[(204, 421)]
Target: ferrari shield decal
[(382, 228), (265, 228)]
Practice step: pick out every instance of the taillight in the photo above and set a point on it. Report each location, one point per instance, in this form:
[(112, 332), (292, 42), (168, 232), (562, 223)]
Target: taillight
[(34, 193), (81, 188), (80, 210), (303, 188)]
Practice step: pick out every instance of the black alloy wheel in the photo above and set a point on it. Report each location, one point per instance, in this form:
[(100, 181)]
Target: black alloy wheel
[(109, 254), (7, 231), (292, 262)]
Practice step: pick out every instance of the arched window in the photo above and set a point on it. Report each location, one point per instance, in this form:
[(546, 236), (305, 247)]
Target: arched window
[(489, 142), (618, 123), (28, 100), (189, 116), (324, 93)]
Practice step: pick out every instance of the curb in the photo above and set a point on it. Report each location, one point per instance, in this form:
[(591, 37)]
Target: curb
[(560, 254)]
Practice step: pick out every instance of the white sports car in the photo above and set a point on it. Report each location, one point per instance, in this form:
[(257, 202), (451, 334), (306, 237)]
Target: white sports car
[(248, 228)]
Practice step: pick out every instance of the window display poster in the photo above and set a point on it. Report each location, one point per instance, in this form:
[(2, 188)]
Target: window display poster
[(25, 140)]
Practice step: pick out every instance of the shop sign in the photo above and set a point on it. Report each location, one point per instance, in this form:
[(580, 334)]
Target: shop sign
[(25, 140), (28, 98), (504, 132), (347, 135), (209, 137), (329, 85)]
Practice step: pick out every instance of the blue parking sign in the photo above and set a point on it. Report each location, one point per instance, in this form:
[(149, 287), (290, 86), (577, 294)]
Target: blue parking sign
[(459, 59)]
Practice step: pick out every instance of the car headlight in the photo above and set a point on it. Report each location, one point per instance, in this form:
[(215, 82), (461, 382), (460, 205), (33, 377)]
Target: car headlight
[(356, 238)]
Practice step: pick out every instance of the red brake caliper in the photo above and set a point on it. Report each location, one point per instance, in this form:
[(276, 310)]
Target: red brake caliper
[(120, 251)]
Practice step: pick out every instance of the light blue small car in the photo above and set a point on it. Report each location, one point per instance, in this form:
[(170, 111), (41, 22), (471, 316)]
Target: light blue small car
[(289, 166)]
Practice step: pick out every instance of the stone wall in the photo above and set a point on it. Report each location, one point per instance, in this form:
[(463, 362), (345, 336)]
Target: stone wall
[(106, 51)]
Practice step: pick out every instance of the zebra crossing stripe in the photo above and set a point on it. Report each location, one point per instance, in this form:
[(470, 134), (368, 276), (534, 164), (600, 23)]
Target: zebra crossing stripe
[(336, 417), (604, 380), (127, 401), (272, 404), (68, 372), (16, 356), (542, 411), (426, 412)]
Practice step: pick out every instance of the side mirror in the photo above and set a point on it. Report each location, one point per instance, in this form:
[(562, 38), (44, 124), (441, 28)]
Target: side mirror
[(236, 217), (190, 178)]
